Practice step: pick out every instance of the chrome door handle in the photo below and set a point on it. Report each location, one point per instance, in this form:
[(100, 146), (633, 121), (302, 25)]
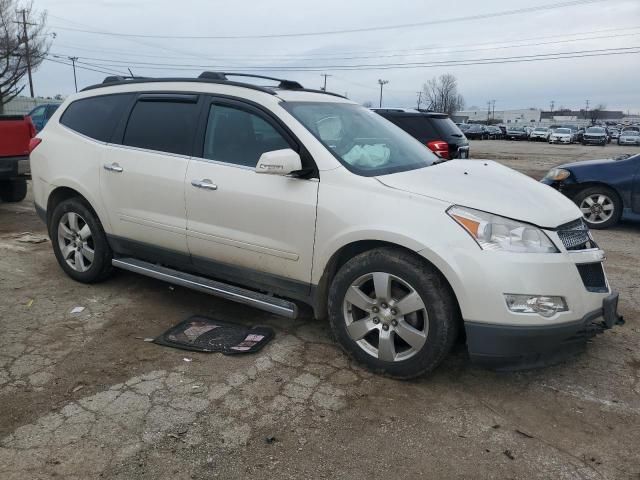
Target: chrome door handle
[(114, 167), (206, 184)]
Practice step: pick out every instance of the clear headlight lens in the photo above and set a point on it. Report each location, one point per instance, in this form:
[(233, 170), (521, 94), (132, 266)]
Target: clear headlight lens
[(493, 232), (557, 174), (544, 305)]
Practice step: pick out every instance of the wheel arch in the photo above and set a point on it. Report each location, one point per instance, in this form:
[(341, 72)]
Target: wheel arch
[(576, 188), (348, 251), (61, 193)]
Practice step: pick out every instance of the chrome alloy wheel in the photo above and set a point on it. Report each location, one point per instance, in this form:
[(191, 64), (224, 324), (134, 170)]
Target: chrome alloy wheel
[(75, 241), (386, 317), (597, 208)]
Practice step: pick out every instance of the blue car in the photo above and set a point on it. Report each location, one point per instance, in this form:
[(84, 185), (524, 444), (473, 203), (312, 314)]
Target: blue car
[(605, 190), (41, 114)]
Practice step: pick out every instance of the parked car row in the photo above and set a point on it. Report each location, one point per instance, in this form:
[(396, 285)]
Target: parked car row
[(560, 134)]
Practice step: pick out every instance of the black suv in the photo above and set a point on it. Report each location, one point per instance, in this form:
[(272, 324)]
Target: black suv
[(435, 130)]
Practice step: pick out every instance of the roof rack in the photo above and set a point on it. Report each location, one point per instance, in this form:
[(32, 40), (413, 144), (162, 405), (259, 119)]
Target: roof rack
[(213, 77)]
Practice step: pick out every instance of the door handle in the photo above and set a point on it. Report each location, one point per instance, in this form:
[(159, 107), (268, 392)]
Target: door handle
[(206, 184), (114, 167)]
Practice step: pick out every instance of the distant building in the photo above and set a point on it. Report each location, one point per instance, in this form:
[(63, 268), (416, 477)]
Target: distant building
[(23, 105), (580, 117), (525, 116)]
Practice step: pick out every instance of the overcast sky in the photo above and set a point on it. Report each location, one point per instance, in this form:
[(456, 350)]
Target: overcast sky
[(612, 79)]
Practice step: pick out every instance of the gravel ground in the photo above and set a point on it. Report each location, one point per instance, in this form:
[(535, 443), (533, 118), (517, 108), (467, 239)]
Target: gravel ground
[(83, 396)]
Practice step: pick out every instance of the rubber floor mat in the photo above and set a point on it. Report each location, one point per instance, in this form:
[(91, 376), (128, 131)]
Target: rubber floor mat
[(203, 334)]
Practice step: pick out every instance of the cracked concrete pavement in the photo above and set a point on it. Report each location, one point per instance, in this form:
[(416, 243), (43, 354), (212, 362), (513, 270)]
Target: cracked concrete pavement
[(83, 396)]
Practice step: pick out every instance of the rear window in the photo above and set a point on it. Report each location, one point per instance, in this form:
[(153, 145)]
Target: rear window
[(417, 126), (162, 125), (96, 117)]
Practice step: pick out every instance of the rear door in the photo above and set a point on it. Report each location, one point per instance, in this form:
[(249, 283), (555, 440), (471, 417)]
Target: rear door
[(142, 179), (254, 229)]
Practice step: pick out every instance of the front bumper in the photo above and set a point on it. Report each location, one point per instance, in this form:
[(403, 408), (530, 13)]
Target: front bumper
[(594, 141), (514, 347), (560, 140)]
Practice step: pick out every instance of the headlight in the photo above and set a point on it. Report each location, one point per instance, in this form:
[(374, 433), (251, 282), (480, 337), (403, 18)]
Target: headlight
[(557, 174), (493, 232)]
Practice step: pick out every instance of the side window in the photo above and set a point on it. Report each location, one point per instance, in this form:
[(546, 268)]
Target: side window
[(240, 137), (163, 125), (96, 117)]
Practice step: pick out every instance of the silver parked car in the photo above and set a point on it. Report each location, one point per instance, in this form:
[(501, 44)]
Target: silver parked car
[(629, 137)]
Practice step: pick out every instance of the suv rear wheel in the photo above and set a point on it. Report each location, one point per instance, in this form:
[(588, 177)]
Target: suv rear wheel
[(393, 314), (79, 241)]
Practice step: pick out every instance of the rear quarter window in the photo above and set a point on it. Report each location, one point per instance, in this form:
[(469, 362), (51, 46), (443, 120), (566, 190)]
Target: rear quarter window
[(96, 117)]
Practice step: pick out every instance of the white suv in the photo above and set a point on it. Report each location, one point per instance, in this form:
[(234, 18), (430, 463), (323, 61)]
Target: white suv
[(268, 196)]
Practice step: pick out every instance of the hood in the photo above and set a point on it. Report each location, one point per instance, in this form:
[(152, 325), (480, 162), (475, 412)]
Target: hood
[(586, 163), (557, 134), (489, 186)]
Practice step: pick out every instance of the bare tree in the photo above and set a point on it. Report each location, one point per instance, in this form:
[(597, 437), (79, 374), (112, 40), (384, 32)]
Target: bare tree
[(367, 104), (595, 113), (441, 94), (13, 46)]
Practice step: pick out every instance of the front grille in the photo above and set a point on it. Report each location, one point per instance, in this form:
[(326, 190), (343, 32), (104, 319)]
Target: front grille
[(575, 235), (592, 275)]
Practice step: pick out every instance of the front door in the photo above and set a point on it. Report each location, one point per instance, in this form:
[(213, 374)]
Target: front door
[(142, 177), (255, 229)]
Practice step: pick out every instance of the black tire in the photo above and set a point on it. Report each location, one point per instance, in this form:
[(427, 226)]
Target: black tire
[(100, 267), (439, 302), (615, 200), (13, 190)]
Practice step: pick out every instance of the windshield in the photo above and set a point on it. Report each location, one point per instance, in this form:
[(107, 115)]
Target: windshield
[(630, 133), (540, 130), (562, 130), (595, 130), (360, 139), (516, 129)]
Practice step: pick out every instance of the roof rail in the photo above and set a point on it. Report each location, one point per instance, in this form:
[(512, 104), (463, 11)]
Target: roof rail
[(120, 78), (284, 84), (213, 77)]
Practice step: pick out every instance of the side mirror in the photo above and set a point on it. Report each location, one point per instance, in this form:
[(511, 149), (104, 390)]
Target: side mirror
[(279, 162)]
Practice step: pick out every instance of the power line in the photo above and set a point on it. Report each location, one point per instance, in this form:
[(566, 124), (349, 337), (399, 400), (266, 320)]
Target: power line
[(221, 58), (503, 13), (387, 66), (378, 53), (78, 66)]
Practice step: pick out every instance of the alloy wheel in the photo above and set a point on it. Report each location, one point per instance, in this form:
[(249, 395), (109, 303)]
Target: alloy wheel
[(597, 208), (385, 316), (76, 241)]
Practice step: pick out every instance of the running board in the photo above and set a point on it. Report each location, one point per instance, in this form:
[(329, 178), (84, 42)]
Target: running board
[(258, 300)]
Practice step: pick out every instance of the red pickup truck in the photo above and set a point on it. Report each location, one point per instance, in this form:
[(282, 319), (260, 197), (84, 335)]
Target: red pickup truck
[(16, 132)]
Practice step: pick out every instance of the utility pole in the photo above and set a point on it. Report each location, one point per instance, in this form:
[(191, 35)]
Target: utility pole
[(493, 110), (73, 62), (25, 39), (325, 75), (488, 111), (382, 83), (553, 103), (586, 109), (419, 99)]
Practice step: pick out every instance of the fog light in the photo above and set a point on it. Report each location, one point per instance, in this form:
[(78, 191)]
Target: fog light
[(544, 305)]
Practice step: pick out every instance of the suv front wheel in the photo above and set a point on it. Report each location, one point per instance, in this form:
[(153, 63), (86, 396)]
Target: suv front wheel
[(79, 241), (393, 314)]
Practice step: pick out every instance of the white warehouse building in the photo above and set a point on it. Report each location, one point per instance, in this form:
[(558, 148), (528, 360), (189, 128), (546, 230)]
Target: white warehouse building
[(525, 116)]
